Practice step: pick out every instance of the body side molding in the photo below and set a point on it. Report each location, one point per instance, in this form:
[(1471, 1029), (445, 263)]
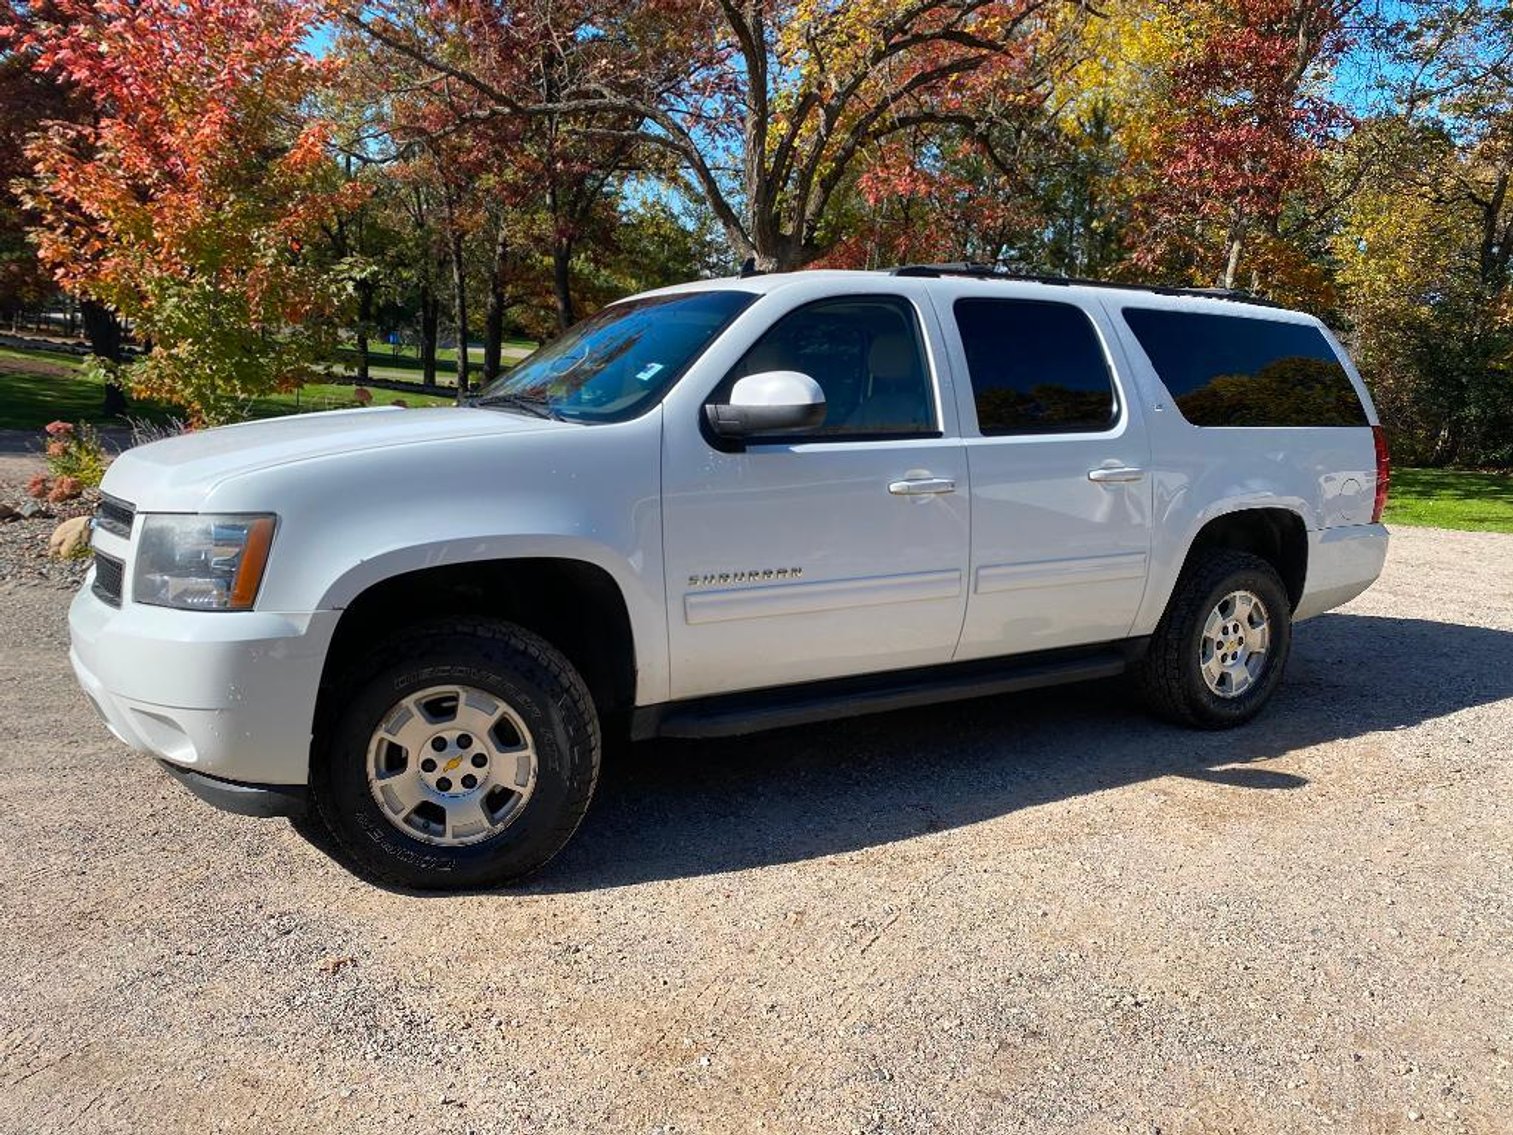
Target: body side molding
[(1057, 573), (806, 598)]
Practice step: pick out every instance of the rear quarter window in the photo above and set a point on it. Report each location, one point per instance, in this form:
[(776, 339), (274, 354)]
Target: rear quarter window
[(1229, 370)]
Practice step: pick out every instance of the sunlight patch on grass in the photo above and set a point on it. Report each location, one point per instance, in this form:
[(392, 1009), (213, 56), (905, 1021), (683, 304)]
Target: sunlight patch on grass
[(1451, 498), (37, 387)]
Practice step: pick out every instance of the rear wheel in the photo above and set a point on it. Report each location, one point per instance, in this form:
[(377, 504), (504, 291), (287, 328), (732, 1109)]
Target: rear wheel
[(465, 756), (1219, 651)]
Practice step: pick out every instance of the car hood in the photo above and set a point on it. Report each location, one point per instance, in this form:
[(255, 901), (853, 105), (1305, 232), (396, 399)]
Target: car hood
[(177, 473)]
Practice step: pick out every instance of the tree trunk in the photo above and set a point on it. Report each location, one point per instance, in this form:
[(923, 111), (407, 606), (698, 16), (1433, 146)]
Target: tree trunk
[(103, 330), (493, 320), (364, 321), (430, 322), (1494, 253), (1446, 446), (493, 334), (562, 263), (1232, 265), (460, 311)]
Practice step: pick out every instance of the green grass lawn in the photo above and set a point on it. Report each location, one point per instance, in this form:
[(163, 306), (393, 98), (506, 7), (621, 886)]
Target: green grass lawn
[(1450, 498), (403, 363), (37, 387)]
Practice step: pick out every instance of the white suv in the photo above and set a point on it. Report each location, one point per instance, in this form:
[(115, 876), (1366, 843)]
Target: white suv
[(722, 507)]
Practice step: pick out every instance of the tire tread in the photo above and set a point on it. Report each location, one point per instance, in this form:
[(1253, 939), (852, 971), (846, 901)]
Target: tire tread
[(1164, 676), (507, 647)]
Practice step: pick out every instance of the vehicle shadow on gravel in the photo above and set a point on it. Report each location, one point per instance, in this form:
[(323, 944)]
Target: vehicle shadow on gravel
[(670, 809), (674, 809)]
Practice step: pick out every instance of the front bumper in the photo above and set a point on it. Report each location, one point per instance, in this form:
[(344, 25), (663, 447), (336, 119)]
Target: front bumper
[(219, 695), (243, 799)]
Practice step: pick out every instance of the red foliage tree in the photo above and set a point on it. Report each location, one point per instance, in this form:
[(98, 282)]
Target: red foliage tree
[(1246, 125), (187, 199), (25, 100)]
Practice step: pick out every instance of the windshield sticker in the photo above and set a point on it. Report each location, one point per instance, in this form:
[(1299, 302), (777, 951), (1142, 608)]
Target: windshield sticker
[(648, 372)]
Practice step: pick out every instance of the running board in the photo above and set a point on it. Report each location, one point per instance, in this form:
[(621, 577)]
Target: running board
[(730, 715)]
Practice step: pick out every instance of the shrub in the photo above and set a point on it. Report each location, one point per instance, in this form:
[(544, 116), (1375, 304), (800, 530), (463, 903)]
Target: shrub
[(75, 461), (362, 395), (65, 489)]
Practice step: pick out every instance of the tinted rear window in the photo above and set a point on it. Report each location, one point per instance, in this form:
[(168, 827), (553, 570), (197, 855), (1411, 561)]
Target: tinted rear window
[(1225, 370), (1035, 367)]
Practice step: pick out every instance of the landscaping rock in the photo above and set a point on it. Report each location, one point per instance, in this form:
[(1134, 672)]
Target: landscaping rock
[(70, 539), (26, 535)]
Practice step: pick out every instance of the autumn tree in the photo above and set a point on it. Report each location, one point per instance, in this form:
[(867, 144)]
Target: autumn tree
[(1425, 244), (927, 196), (1241, 115), (26, 99), (768, 108), (360, 243), (186, 203), (562, 182), (1030, 189), (415, 268)]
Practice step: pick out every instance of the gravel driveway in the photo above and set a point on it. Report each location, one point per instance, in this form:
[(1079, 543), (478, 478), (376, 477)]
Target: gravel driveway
[(1037, 914)]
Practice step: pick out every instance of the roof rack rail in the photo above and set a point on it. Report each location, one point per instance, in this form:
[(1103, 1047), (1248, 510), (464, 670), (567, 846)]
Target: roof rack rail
[(979, 271)]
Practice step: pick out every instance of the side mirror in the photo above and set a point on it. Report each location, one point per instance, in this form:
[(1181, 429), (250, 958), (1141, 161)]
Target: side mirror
[(777, 401)]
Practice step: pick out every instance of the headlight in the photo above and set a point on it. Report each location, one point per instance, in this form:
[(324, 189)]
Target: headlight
[(201, 563)]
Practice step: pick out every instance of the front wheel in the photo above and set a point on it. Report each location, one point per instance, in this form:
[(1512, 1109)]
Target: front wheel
[(1219, 651), (465, 756)]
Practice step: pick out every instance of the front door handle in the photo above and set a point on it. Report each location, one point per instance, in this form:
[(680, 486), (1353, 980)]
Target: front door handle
[(1115, 475), (922, 486)]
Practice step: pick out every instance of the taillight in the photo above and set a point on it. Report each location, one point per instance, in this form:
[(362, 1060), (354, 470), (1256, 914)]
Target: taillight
[(1383, 472)]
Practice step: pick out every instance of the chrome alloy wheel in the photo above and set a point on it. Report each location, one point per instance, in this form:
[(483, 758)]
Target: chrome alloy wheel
[(1236, 638), (451, 765)]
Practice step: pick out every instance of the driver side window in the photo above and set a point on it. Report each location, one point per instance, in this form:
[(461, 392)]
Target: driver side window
[(866, 355)]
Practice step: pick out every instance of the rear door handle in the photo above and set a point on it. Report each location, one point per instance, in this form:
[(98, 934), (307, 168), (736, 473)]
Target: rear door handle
[(1119, 473), (922, 486)]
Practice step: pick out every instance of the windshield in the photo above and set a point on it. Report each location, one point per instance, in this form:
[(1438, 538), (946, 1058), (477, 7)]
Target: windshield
[(617, 363)]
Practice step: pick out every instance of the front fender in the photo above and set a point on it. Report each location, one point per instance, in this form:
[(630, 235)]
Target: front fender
[(349, 521), (643, 603)]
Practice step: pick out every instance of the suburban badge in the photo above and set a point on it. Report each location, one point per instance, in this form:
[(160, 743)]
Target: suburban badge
[(758, 575)]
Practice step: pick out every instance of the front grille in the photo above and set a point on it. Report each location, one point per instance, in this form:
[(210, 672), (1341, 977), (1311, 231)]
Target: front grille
[(109, 574), (115, 516)]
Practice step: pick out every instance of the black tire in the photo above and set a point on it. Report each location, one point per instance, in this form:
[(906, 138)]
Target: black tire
[(1170, 676), (504, 660)]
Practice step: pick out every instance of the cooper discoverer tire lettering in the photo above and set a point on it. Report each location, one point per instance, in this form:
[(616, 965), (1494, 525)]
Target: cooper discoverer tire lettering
[(463, 753)]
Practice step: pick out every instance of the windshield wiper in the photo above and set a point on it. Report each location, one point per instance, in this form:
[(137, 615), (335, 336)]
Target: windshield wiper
[(539, 407)]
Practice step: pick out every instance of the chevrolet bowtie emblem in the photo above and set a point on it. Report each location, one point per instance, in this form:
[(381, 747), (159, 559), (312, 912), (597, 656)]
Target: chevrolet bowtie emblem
[(451, 764)]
